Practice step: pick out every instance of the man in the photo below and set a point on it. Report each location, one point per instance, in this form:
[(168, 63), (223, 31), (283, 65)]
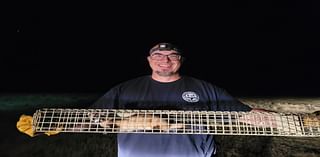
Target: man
[(166, 89)]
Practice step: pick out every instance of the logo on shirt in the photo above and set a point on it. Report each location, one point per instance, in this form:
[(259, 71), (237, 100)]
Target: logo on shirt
[(190, 96)]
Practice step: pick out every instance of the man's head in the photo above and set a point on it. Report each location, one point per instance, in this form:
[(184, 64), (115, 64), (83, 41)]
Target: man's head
[(165, 60)]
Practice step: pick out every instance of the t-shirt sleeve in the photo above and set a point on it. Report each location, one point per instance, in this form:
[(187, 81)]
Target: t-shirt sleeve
[(108, 101), (226, 102)]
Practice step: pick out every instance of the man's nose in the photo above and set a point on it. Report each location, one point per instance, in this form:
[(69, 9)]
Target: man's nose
[(166, 58)]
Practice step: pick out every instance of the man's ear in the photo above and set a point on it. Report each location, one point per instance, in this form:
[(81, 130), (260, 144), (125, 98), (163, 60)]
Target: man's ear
[(182, 60)]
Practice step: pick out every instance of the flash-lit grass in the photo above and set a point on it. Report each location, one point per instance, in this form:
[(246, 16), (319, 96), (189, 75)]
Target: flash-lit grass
[(22, 101)]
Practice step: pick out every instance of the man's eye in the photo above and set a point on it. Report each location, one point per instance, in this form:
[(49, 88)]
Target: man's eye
[(173, 56)]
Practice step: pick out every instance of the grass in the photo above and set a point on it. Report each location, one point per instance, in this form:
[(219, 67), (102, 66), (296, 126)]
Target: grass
[(11, 102)]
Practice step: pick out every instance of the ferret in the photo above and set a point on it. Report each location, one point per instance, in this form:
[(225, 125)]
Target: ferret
[(312, 120), (135, 122)]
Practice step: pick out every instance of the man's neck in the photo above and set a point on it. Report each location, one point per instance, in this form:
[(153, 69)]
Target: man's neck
[(166, 78)]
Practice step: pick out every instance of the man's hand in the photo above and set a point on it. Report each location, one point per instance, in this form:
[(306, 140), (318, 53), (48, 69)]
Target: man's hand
[(24, 125), (260, 118)]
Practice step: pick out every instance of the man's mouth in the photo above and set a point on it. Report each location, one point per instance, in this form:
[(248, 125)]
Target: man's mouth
[(164, 65)]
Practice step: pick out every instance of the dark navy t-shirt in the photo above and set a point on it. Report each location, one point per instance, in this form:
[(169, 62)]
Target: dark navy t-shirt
[(186, 93)]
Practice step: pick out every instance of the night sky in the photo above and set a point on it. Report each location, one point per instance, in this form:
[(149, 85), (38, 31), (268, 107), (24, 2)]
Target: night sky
[(250, 48)]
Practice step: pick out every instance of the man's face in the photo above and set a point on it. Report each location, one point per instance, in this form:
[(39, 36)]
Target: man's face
[(165, 63)]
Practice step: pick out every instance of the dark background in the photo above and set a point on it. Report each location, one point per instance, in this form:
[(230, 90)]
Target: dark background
[(250, 48)]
